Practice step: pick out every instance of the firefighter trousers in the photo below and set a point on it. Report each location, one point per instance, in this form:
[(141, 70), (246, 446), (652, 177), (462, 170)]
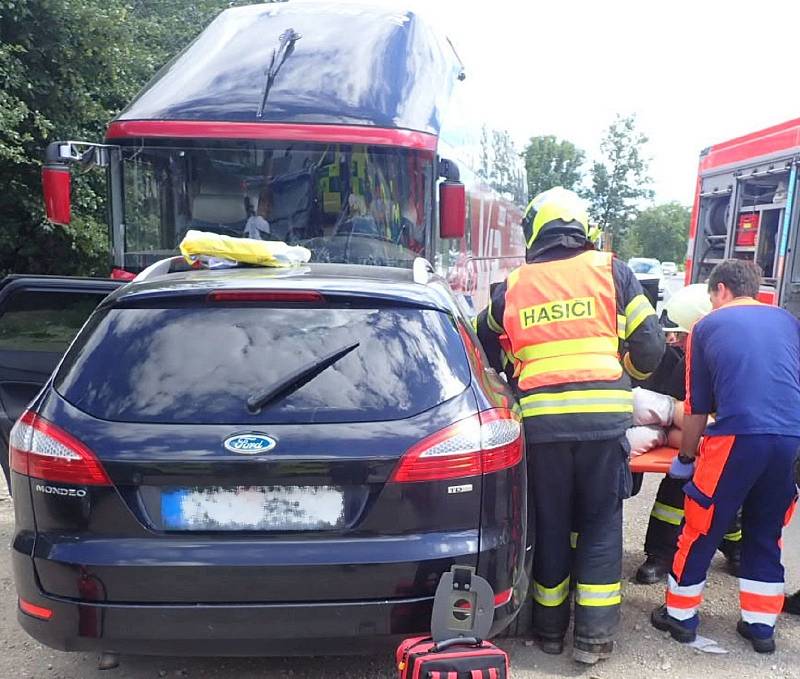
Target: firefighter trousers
[(578, 487), (666, 518), (753, 472)]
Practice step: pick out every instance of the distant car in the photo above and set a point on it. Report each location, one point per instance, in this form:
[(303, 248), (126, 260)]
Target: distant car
[(669, 268), (648, 270), (248, 460)]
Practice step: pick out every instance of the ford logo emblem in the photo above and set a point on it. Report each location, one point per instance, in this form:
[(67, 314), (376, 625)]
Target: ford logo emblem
[(250, 444)]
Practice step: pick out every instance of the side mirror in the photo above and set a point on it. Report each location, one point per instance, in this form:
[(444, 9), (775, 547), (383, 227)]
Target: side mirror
[(57, 183), (56, 186), (452, 209)]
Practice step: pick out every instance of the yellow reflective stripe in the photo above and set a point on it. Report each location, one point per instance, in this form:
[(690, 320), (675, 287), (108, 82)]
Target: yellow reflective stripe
[(631, 369), (567, 364), (569, 347), (573, 540), (512, 279), (621, 326), (598, 595), (736, 536), (475, 324), (638, 309), (667, 514), (578, 401), (493, 326), (551, 596)]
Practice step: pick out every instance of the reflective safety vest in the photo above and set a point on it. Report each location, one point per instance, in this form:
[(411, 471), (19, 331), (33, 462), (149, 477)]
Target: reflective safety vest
[(561, 320)]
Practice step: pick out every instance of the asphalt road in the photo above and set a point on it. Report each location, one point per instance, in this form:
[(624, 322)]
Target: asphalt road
[(642, 652)]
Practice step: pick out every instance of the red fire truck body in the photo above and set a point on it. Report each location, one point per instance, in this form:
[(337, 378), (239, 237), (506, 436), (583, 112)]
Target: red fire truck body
[(745, 207)]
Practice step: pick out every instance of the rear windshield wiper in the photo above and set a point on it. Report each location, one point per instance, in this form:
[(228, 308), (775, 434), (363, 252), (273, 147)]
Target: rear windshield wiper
[(297, 379)]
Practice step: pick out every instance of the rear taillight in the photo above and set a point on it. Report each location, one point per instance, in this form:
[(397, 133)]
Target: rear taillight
[(35, 611), (481, 444), (40, 449)]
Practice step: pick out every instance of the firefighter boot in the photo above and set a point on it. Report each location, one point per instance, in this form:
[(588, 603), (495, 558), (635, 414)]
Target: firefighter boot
[(653, 570), (792, 603), (589, 654)]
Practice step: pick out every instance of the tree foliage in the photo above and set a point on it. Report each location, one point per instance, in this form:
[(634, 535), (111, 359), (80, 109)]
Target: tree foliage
[(552, 162), (660, 231), (619, 180), (67, 67)]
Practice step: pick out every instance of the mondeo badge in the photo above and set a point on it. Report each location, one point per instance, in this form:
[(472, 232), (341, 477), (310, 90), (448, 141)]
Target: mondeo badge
[(250, 444)]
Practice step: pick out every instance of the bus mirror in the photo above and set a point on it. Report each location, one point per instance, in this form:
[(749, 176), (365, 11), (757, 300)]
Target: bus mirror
[(452, 209), (56, 186)]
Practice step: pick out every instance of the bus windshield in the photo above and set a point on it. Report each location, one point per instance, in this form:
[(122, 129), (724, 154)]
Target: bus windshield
[(347, 203)]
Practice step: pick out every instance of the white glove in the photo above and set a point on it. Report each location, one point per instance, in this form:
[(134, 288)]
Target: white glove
[(642, 439), (650, 407)]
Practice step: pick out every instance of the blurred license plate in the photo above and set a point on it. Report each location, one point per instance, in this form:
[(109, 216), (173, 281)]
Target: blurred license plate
[(264, 508)]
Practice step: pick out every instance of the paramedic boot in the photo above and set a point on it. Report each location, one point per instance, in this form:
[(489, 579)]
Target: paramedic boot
[(684, 631), (653, 570), (589, 654), (758, 635)]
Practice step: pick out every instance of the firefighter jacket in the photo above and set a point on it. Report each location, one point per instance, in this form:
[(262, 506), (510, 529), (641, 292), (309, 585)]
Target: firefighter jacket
[(568, 315)]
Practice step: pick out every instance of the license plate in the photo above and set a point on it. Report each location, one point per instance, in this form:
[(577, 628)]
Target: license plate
[(253, 508)]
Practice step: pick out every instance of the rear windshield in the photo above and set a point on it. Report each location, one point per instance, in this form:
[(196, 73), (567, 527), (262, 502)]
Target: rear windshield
[(201, 364)]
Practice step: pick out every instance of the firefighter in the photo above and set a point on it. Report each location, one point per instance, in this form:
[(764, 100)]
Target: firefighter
[(687, 306), (564, 314), (743, 361)]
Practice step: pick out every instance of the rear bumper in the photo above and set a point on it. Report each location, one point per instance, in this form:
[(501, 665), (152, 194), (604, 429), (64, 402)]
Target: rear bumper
[(322, 628)]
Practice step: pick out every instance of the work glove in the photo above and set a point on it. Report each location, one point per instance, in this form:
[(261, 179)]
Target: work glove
[(650, 407), (681, 470), (642, 439)]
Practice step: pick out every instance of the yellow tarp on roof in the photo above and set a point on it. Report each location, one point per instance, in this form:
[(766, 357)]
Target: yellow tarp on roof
[(213, 249)]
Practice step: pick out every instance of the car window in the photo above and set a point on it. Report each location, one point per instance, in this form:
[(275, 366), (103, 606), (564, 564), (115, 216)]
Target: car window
[(641, 266), (44, 320), (168, 366)]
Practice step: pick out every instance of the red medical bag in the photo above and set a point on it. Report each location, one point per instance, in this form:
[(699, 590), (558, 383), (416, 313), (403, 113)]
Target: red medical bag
[(462, 658)]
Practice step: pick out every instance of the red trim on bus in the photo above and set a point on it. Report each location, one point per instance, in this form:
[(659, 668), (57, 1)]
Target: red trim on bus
[(335, 134)]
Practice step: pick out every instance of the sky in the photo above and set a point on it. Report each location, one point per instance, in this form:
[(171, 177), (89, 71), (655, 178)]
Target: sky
[(695, 73)]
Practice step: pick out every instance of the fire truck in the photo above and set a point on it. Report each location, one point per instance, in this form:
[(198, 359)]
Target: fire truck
[(745, 207), (340, 127)]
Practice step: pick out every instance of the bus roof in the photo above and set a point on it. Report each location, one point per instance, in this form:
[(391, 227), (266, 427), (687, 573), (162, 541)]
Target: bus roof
[(307, 63), (778, 140)]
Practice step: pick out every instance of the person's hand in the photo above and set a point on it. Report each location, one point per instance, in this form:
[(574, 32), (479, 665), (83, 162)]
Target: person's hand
[(681, 470)]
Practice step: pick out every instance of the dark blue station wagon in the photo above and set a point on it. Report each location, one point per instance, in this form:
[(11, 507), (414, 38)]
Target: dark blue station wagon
[(257, 461)]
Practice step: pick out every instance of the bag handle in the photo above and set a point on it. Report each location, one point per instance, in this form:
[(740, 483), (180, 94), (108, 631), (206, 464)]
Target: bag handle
[(458, 641)]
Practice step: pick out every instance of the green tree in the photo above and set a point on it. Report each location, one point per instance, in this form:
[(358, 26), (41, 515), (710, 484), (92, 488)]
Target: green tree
[(619, 181), (661, 231), (552, 162), (67, 67)]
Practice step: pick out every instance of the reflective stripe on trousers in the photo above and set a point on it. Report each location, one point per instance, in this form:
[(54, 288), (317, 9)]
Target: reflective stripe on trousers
[(761, 602), (550, 596), (598, 595), (667, 514), (683, 601)]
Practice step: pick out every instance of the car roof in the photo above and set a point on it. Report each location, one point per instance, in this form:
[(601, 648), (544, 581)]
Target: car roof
[(389, 284)]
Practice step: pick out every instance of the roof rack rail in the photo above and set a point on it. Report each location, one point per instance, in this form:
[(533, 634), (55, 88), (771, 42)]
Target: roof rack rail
[(423, 270), (160, 268)]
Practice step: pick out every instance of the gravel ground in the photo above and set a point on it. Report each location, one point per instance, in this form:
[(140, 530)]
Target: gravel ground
[(642, 652)]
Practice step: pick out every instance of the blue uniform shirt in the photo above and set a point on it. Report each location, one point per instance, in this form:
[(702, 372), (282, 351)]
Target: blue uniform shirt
[(743, 363)]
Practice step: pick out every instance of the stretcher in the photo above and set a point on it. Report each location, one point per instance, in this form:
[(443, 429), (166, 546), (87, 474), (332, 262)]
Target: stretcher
[(657, 460)]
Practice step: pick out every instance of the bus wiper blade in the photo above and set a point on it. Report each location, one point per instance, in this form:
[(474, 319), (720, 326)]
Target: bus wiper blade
[(297, 379), (285, 48)]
